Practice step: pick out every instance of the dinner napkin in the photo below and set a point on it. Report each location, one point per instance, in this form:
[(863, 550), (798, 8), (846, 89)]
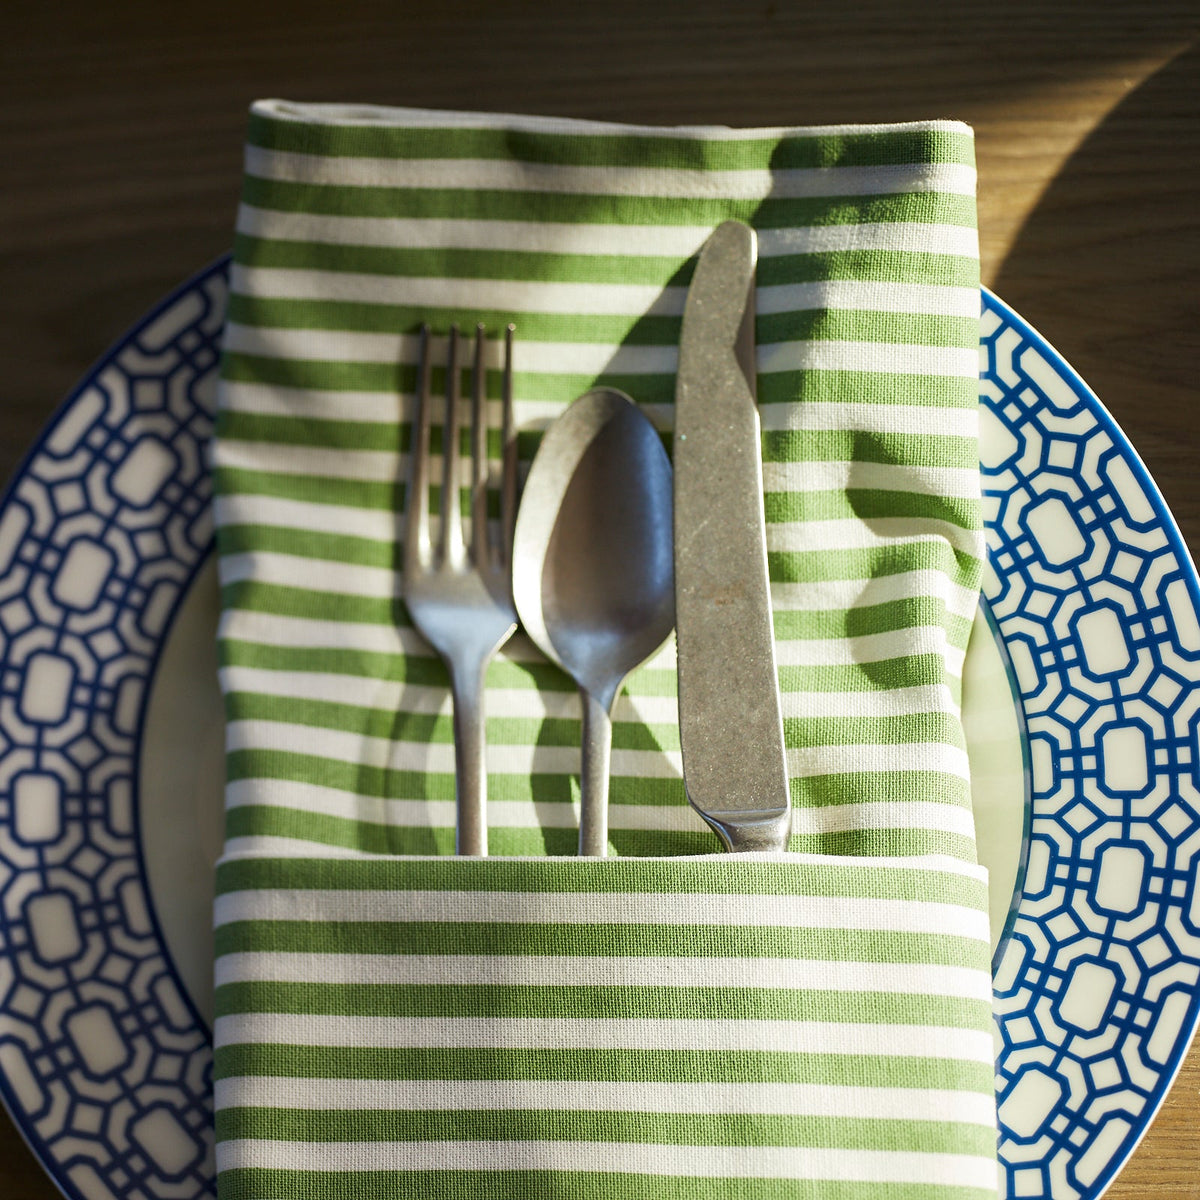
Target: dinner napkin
[(668, 1022)]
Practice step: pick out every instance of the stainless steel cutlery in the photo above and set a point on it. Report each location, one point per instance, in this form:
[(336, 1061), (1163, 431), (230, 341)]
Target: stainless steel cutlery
[(592, 570), (458, 590), (730, 727), (607, 552)]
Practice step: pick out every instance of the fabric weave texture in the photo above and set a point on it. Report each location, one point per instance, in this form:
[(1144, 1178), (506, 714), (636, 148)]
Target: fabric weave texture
[(669, 1022)]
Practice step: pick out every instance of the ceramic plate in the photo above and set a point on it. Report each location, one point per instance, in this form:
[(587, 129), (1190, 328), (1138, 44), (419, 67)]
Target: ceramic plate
[(1080, 702)]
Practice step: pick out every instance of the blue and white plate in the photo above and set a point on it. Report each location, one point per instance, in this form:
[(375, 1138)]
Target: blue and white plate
[(1081, 705)]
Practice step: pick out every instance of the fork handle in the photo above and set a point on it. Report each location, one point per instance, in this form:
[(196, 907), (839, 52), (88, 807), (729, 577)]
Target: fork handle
[(470, 765)]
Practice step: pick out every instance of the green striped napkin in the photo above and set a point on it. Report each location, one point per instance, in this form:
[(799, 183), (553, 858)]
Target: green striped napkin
[(669, 1022)]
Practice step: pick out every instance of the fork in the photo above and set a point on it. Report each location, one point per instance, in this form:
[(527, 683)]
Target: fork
[(459, 592)]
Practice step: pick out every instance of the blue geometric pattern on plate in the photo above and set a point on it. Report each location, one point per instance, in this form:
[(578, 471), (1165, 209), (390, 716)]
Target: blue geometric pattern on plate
[(104, 1062), (1095, 598)]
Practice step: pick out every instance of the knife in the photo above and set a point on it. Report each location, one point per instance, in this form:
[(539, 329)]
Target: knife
[(730, 727)]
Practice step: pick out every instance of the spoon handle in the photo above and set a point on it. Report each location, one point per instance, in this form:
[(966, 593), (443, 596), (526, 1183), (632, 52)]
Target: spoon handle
[(597, 755)]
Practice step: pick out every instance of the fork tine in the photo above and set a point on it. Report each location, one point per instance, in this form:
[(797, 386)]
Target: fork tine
[(479, 454), (508, 452), (452, 537), (416, 526)]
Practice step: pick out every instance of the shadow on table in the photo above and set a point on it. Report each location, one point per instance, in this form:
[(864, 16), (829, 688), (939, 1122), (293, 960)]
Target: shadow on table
[(1107, 268)]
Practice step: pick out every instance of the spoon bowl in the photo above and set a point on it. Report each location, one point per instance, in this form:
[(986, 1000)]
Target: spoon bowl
[(593, 576)]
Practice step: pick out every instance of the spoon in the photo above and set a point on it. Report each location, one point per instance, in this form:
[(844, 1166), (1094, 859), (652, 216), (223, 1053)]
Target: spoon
[(593, 579)]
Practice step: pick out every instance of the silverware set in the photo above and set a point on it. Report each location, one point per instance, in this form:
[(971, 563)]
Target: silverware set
[(608, 550)]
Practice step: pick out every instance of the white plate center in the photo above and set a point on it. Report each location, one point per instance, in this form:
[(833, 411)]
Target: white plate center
[(181, 807)]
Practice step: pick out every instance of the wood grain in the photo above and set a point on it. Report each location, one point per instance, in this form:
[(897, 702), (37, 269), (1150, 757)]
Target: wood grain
[(121, 131)]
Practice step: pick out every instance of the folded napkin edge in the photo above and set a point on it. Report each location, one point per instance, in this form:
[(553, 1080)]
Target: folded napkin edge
[(351, 114)]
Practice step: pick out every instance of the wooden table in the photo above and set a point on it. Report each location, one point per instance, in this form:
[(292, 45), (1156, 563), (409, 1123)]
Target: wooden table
[(122, 129)]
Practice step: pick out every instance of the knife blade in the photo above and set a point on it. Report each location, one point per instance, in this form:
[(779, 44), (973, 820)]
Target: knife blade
[(730, 727)]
